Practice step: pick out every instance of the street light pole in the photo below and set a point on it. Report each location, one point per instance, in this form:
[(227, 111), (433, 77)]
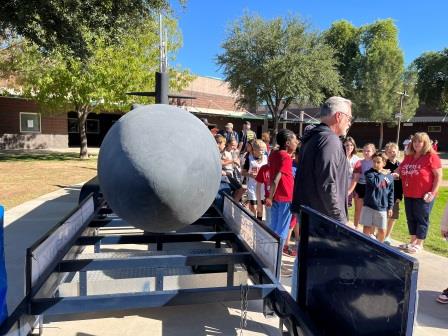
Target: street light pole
[(402, 95)]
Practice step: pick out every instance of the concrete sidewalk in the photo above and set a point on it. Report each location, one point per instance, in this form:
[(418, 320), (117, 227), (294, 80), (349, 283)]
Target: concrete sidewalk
[(27, 222)]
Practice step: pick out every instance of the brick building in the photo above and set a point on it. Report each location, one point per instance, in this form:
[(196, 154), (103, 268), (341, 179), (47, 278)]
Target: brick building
[(428, 120), (23, 125)]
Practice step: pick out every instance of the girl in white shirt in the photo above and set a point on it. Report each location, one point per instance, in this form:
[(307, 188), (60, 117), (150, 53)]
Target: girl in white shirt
[(251, 167)]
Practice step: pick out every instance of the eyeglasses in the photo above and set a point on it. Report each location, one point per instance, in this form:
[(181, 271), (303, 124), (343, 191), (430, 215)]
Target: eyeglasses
[(349, 117)]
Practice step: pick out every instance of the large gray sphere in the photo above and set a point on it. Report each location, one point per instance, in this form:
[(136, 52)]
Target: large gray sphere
[(159, 168)]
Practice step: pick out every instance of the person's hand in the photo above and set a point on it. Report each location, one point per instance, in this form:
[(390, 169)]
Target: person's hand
[(429, 197), (268, 202), (444, 233), (385, 171), (396, 176), (389, 213)]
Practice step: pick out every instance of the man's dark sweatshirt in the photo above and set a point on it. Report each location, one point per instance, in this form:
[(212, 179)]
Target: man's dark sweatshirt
[(379, 191), (321, 180)]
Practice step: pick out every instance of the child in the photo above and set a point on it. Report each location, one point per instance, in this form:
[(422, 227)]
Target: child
[(263, 181), (350, 151), (391, 151), (250, 170), (358, 184), (378, 198), (282, 183), (227, 162), (287, 250)]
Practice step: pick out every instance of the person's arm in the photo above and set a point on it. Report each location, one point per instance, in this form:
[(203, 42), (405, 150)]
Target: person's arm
[(390, 196), (436, 184), (444, 223), (357, 170), (258, 191), (328, 159), (355, 180), (245, 170), (273, 189), (226, 162)]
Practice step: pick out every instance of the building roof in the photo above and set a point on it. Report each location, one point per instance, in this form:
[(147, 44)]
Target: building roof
[(421, 119), (222, 113)]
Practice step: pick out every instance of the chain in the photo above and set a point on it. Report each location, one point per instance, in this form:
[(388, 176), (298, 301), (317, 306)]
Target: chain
[(244, 303)]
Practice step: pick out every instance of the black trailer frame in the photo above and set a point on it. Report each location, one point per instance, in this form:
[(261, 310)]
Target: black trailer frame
[(53, 260), (46, 271)]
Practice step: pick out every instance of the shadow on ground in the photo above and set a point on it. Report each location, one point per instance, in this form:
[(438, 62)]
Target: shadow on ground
[(431, 313), (205, 319), (23, 228)]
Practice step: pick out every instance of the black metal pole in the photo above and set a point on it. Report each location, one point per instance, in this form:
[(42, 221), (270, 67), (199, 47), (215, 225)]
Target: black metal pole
[(161, 88)]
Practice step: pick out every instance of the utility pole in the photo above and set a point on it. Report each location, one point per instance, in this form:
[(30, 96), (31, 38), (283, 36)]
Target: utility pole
[(162, 76), (402, 95), (301, 123)]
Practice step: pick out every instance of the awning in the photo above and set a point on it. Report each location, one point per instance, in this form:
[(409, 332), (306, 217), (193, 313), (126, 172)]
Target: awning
[(222, 113)]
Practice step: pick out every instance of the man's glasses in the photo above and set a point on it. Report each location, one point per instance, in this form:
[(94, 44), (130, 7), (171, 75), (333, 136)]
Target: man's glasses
[(349, 117)]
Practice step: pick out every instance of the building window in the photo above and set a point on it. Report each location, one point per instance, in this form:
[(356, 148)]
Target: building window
[(92, 126), (434, 129), (73, 125), (30, 122)]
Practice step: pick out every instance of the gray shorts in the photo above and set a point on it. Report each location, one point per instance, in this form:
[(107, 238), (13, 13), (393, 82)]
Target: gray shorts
[(375, 218)]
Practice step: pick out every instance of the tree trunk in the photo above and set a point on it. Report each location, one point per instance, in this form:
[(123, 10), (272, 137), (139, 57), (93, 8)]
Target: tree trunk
[(82, 117), (381, 136)]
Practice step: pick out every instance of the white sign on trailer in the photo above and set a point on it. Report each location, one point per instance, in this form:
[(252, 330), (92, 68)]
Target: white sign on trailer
[(264, 245)]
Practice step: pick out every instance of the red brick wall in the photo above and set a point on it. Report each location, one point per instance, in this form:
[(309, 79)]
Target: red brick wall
[(207, 100), (10, 109)]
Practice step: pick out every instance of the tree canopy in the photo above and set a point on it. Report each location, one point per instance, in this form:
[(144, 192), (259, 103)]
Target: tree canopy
[(371, 64), (432, 84), (277, 62), (345, 40), (53, 23), (63, 82)]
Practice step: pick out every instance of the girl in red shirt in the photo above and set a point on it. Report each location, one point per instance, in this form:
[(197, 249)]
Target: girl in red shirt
[(421, 175)]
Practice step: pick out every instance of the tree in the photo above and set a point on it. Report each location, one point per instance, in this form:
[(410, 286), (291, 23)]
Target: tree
[(53, 23), (277, 62), (59, 80), (380, 73), (345, 40), (409, 85), (432, 84)]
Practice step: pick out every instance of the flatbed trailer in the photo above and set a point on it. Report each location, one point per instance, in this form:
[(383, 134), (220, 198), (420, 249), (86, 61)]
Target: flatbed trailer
[(93, 261)]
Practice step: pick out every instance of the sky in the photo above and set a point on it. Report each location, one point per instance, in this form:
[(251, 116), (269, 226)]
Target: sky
[(422, 25)]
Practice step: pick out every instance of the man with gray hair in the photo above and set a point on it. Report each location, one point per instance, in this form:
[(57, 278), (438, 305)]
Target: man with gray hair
[(321, 180)]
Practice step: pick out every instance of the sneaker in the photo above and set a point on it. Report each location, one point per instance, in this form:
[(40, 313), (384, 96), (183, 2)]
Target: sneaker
[(387, 241), (288, 251), (443, 297), (285, 272), (372, 236)]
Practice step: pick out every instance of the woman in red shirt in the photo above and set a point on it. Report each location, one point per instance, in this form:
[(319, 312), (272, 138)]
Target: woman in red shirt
[(421, 175)]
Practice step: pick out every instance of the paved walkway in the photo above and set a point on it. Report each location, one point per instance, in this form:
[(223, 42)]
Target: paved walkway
[(27, 222)]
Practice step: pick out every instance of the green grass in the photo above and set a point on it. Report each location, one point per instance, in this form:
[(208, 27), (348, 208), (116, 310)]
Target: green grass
[(12, 156), (434, 242), (445, 174)]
